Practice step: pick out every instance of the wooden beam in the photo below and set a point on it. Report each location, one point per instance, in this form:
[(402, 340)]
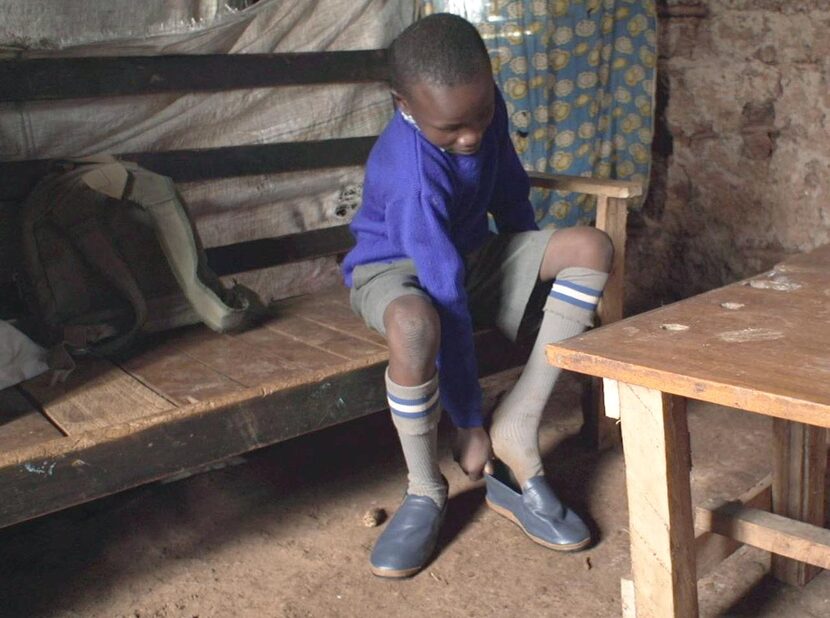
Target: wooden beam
[(111, 459), (799, 468), (773, 533), (656, 443), (17, 178), (711, 546), (598, 430), (41, 79), (267, 252), (612, 218), (580, 184)]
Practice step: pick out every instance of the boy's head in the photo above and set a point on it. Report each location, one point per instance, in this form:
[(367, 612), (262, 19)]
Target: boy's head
[(441, 76)]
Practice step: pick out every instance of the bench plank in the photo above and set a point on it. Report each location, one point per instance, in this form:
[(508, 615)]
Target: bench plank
[(267, 252), (21, 424), (112, 459), (331, 308), (328, 339), (17, 178), (236, 359), (175, 375), (39, 79), (96, 394), (292, 353)]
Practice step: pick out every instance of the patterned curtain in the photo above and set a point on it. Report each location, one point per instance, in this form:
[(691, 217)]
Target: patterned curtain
[(578, 79)]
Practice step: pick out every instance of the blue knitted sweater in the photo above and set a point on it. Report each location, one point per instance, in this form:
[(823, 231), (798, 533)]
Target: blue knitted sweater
[(426, 204)]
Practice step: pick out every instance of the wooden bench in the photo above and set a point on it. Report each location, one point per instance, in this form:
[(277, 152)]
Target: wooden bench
[(190, 397)]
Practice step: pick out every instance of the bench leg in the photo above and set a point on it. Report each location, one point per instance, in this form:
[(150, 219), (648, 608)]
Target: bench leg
[(799, 466), (657, 461), (598, 431)]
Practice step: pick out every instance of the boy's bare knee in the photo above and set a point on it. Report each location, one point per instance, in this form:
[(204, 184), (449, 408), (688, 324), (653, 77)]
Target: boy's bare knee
[(586, 247), (599, 249), (413, 331)]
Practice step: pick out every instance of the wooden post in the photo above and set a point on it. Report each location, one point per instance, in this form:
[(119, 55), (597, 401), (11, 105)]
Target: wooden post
[(656, 444), (612, 214), (799, 466)]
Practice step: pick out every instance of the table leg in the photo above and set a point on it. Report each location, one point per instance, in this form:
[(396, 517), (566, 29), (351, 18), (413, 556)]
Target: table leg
[(799, 466), (657, 460)]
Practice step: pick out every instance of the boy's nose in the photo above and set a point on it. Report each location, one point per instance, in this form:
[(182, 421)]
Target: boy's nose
[(469, 140)]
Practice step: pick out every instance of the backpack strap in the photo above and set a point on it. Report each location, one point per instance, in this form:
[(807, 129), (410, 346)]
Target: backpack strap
[(156, 194), (99, 252)]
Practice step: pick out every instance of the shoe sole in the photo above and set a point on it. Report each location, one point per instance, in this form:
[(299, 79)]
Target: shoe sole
[(394, 573), (508, 514)]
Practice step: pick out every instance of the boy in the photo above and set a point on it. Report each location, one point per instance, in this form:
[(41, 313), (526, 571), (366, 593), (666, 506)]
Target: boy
[(426, 267)]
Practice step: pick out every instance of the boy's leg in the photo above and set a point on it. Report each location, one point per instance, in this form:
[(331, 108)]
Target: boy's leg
[(579, 260), (413, 335), (412, 331)]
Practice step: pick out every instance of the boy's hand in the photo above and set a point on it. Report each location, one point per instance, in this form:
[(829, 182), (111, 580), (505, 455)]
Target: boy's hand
[(472, 451)]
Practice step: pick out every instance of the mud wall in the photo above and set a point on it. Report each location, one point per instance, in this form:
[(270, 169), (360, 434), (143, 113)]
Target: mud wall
[(741, 173)]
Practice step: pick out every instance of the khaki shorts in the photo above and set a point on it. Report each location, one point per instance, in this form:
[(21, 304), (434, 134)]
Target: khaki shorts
[(502, 284)]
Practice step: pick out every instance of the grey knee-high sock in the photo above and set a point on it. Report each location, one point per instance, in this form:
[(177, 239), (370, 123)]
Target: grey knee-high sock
[(568, 311), (415, 412)]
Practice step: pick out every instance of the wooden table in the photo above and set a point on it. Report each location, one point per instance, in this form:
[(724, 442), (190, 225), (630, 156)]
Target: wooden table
[(760, 345)]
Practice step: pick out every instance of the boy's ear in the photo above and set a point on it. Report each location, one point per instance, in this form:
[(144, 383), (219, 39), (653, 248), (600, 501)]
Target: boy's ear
[(400, 101)]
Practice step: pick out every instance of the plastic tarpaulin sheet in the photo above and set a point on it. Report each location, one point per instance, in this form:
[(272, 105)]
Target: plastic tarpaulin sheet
[(227, 210)]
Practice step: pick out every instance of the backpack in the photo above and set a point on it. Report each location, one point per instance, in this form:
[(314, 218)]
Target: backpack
[(109, 253)]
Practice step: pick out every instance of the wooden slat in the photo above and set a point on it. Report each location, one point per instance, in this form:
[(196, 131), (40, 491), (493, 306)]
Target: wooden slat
[(96, 394), (798, 541), (236, 359), (266, 252), (328, 310), (656, 440), (582, 184), (66, 78), (21, 424), (177, 376), (798, 475), (711, 546), (328, 339), (293, 354), (17, 178)]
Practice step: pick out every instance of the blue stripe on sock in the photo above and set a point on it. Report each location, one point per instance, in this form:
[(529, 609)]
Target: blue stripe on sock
[(578, 288), (426, 412), (410, 402), (573, 301)]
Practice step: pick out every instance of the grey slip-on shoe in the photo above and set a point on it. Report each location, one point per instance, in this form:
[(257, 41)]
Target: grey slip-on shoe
[(538, 512), (409, 539)]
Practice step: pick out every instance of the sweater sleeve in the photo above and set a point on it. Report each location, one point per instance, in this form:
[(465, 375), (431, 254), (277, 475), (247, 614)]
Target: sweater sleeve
[(422, 227), (510, 205)]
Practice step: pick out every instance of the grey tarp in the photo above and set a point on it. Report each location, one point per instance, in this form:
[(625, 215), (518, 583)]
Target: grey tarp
[(228, 210)]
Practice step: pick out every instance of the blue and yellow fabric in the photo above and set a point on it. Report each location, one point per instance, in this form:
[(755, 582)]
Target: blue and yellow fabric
[(578, 79)]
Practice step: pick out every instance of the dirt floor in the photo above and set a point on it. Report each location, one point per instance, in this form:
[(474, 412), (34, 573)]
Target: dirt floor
[(282, 534)]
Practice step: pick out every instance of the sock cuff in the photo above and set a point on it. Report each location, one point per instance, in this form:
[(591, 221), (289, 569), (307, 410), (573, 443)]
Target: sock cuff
[(575, 292), (415, 409)]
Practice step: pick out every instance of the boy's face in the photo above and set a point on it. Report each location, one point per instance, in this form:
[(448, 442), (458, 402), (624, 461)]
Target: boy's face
[(451, 117)]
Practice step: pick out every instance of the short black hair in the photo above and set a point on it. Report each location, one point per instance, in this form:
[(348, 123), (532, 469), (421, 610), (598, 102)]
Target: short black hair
[(441, 49)]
